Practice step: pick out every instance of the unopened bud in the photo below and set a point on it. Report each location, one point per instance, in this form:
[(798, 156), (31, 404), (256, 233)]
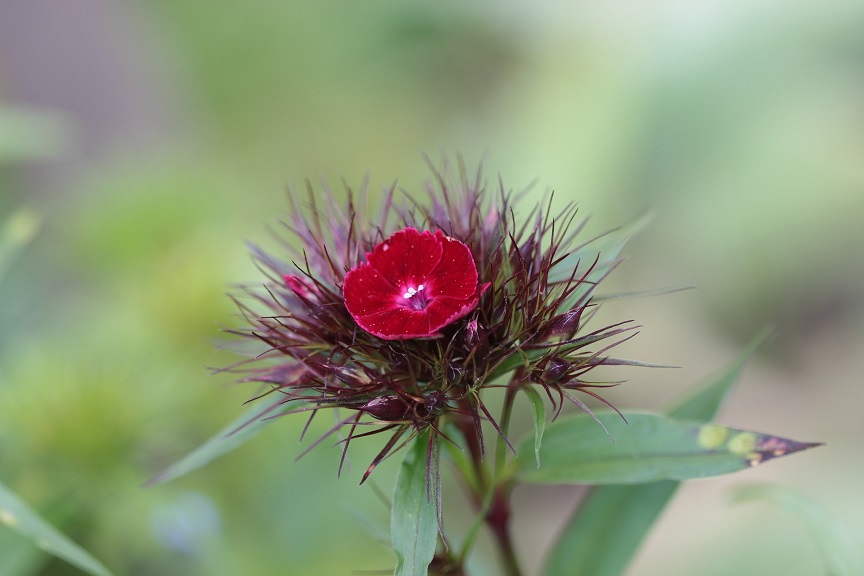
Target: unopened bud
[(562, 327), (387, 408)]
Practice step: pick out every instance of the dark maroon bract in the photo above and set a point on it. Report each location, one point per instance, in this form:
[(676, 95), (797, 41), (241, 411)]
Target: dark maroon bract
[(412, 285)]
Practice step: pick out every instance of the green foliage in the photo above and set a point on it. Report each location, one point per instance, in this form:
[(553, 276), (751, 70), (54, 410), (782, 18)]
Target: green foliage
[(539, 411), (232, 436), (414, 522), (18, 516), (15, 233), (834, 544), (14, 512), (606, 530), (644, 448)]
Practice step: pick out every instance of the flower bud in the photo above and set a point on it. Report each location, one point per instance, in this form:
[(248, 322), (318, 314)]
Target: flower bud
[(388, 408), (475, 338), (555, 369), (562, 327)]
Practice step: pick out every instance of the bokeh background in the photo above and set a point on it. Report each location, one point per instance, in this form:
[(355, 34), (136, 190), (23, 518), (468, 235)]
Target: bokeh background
[(146, 141)]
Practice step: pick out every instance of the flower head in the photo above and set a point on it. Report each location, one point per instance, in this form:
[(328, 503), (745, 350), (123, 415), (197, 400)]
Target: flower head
[(412, 285), (409, 320)]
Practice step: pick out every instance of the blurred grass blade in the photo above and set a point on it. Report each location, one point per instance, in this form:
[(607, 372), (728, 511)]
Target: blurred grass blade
[(413, 520), (834, 545), (640, 293), (610, 524), (647, 448), (704, 404), (18, 516), (15, 233), (19, 556), (606, 530), (235, 434), (371, 527), (608, 246)]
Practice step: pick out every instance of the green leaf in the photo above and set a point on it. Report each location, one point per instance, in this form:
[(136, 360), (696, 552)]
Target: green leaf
[(18, 516), (539, 419), (647, 448), (413, 520), (704, 404), (834, 545), (606, 530), (518, 358), (235, 434), (19, 556)]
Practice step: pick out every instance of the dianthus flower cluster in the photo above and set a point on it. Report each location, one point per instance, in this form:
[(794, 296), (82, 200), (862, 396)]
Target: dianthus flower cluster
[(404, 321)]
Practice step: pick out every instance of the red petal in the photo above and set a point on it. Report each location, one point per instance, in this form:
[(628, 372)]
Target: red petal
[(374, 292), (407, 258), (456, 274), (443, 311), (366, 292), (397, 324)]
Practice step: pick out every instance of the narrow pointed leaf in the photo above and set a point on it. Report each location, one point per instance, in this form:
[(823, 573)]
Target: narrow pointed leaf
[(17, 515), (19, 556), (413, 521), (704, 404), (539, 420), (640, 293), (235, 434), (647, 448), (611, 523), (609, 246), (518, 358), (607, 529), (835, 546)]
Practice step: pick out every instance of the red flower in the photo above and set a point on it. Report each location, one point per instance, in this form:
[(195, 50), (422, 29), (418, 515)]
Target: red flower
[(412, 285)]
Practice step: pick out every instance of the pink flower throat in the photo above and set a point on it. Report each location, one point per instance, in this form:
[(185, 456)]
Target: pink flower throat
[(416, 298)]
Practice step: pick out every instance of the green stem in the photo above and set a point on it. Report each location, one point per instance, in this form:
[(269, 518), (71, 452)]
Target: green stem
[(506, 411)]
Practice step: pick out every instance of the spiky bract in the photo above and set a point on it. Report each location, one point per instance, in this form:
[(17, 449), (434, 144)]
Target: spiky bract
[(529, 324)]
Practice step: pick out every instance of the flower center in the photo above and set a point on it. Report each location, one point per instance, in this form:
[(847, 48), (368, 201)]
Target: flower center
[(416, 298)]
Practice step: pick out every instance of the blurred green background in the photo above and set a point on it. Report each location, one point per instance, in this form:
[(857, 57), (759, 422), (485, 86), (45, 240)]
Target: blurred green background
[(151, 139)]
